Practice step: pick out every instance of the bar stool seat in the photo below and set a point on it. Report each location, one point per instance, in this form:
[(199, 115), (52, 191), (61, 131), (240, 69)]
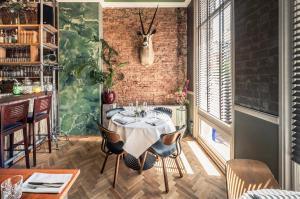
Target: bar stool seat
[(41, 110), (13, 119), (39, 117), (12, 126)]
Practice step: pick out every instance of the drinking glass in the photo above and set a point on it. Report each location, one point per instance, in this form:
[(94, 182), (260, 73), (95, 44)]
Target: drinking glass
[(11, 188), (145, 106), (130, 107)]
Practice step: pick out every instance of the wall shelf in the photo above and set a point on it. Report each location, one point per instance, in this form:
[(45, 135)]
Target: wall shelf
[(20, 63)]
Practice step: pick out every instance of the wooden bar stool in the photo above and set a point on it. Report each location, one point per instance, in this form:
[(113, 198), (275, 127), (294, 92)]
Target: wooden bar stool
[(41, 109), (13, 118), (244, 175)]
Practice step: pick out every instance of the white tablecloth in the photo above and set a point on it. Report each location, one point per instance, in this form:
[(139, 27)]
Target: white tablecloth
[(139, 136)]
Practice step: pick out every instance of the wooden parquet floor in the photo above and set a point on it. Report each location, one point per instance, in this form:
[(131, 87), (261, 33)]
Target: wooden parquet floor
[(201, 179)]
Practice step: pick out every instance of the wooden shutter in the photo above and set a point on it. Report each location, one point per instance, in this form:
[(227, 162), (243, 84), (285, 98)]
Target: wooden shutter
[(296, 83), (213, 75), (226, 67)]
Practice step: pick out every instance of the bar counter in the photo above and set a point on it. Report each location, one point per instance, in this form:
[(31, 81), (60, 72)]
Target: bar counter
[(7, 99)]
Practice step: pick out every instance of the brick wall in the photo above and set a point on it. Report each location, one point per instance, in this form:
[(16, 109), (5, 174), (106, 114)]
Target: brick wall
[(256, 55), (156, 83)]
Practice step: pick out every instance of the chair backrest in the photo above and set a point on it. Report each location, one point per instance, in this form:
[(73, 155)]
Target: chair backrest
[(111, 141), (13, 113), (172, 138), (42, 105), (165, 110), (112, 112), (109, 135)]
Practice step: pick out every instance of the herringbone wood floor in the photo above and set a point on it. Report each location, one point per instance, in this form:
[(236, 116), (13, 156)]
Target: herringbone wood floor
[(84, 153)]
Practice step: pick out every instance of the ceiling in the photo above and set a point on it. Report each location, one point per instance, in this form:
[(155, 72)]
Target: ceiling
[(136, 3)]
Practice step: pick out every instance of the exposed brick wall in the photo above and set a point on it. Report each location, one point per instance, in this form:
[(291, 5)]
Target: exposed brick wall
[(157, 83), (256, 55)]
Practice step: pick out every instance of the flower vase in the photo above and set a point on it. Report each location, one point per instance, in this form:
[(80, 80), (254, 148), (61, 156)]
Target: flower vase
[(109, 96), (181, 116)]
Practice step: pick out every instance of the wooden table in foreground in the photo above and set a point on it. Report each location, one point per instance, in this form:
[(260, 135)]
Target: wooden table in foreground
[(26, 173)]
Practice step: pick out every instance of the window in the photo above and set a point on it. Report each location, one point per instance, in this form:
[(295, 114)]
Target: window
[(213, 74)]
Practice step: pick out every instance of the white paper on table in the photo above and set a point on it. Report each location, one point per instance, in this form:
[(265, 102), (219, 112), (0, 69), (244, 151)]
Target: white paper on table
[(127, 113), (46, 178), (124, 120), (154, 121)]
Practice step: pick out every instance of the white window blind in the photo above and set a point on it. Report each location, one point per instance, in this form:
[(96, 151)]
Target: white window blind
[(296, 82), (213, 73)]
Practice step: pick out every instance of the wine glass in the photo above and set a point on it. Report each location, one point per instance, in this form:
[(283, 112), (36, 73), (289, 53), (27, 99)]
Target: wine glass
[(130, 107), (12, 187), (145, 106)]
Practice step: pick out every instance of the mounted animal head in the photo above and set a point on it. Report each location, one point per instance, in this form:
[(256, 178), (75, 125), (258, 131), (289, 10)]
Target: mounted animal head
[(146, 50)]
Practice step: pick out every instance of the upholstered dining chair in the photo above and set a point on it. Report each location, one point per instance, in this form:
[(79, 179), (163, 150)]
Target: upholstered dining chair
[(165, 110), (110, 113), (169, 145), (112, 144)]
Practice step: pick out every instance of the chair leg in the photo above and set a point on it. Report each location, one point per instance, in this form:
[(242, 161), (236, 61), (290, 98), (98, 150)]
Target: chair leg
[(32, 132), (178, 167), (49, 134), (11, 147), (25, 138), (104, 163), (165, 174), (116, 170), (143, 162), (2, 138)]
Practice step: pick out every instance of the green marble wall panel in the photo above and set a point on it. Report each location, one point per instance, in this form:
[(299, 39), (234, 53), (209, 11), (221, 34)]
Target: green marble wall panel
[(79, 103)]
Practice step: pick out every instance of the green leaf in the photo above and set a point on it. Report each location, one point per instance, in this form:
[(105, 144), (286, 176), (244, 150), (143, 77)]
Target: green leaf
[(122, 64)]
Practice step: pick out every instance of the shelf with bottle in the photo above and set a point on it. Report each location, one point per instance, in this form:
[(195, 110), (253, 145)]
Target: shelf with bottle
[(28, 34), (20, 71), (19, 54)]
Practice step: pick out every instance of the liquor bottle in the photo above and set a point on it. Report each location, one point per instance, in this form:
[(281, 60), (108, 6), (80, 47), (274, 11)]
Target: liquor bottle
[(16, 36), (1, 36), (9, 37), (13, 39), (5, 37)]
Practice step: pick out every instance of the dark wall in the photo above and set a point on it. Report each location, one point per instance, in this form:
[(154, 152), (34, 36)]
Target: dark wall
[(190, 42), (256, 80), (256, 54), (256, 139)]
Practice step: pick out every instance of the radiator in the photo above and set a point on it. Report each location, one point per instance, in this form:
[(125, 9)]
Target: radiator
[(296, 177)]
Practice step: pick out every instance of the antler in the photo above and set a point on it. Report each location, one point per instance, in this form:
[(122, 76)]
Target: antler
[(141, 22), (152, 20)]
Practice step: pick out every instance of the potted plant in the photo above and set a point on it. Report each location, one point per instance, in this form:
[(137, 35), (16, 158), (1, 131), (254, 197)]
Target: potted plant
[(111, 60), (16, 7), (109, 76)]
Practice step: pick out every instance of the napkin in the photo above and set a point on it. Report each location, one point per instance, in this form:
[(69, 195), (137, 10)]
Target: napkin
[(154, 121), (46, 183), (128, 113), (124, 120)]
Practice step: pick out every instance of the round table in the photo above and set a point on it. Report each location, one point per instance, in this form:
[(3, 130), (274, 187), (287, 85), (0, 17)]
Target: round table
[(139, 134)]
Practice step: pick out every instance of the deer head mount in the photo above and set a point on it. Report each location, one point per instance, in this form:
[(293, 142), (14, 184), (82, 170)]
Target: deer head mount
[(146, 50)]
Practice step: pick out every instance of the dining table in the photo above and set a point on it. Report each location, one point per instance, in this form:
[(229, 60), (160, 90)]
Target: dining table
[(139, 131), (26, 173)]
